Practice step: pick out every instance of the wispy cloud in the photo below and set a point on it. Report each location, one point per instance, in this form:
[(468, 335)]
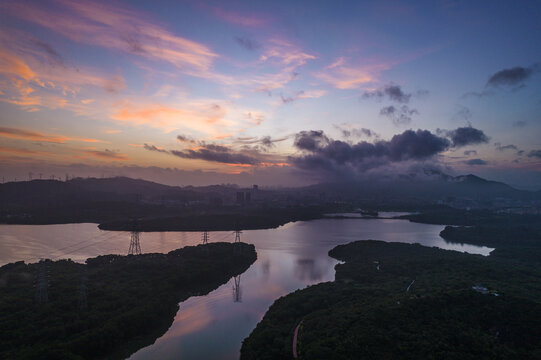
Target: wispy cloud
[(205, 117), (106, 155), (119, 28), (23, 134), (309, 94), (342, 74), (238, 18)]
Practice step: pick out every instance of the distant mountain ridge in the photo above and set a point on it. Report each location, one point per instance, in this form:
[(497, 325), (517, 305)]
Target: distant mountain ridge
[(433, 186), (110, 199)]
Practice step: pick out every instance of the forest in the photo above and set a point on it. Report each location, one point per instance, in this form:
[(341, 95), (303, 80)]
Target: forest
[(406, 301), (109, 307)]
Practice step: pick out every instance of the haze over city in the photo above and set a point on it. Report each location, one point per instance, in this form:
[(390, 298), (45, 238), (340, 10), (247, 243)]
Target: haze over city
[(276, 93)]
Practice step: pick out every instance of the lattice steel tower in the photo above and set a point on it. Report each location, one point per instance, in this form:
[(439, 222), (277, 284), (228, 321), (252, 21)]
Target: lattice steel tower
[(135, 246), (236, 245), (205, 237), (237, 291)]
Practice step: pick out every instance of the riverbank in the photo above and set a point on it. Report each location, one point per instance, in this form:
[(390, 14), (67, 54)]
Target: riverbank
[(130, 300)]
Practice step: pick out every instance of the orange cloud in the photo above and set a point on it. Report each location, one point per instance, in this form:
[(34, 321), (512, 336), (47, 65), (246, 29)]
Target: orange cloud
[(10, 64), (18, 151), (205, 117), (118, 28), (22, 134), (343, 76), (34, 78), (106, 155)]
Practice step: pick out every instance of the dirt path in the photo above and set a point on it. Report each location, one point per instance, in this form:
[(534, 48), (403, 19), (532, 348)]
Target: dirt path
[(295, 340)]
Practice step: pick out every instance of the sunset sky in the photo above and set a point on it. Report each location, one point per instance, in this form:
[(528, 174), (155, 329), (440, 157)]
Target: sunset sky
[(270, 92)]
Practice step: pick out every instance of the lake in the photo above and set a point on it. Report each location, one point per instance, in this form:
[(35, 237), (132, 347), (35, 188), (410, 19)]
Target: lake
[(213, 326)]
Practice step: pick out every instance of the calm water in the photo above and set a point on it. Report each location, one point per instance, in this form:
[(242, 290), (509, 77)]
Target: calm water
[(213, 326)]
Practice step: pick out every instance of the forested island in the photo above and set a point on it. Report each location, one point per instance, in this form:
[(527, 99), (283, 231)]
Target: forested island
[(252, 220), (109, 307), (404, 301)]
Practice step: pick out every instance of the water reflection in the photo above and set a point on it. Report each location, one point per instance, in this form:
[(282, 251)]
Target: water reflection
[(290, 257), (237, 290), (307, 270)]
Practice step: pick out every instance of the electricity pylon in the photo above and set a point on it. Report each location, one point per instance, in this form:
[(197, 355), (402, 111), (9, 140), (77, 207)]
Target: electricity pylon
[(135, 246)]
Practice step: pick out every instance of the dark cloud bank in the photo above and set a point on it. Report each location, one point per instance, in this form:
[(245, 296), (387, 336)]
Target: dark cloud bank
[(338, 158)]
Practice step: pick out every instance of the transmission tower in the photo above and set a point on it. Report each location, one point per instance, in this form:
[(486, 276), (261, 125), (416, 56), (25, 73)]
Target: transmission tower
[(41, 287), (83, 304), (237, 291), (205, 237), (236, 244), (135, 246)]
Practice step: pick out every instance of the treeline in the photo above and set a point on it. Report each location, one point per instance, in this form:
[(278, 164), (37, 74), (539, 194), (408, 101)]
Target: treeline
[(252, 220), (130, 300)]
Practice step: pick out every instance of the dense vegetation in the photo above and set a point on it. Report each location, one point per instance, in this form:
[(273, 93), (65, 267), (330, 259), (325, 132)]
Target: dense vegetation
[(254, 219), (131, 300), (368, 312)]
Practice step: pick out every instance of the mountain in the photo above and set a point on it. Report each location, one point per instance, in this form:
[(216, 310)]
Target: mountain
[(431, 186), (110, 199)]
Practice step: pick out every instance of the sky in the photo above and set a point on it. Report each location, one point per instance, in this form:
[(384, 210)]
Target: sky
[(279, 93)]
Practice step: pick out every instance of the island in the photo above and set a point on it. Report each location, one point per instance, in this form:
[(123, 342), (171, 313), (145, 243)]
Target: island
[(110, 306)]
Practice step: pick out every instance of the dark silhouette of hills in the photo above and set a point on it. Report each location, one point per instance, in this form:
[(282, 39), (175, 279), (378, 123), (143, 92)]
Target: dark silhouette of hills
[(111, 199), (435, 186)]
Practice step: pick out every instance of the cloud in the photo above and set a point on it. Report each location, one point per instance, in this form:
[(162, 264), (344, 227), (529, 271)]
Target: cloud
[(512, 76), (264, 141), (106, 154), (247, 43), (237, 18), (186, 139), (337, 158), (474, 162), (501, 147), (477, 94), (19, 151), (467, 136), (285, 53), (205, 116), (227, 154), (535, 153), (350, 131), (216, 153), (54, 57), (154, 148), (22, 134), (520, 124), (33, 75), (391, 92), (401, 115), (463, 113), (118, 28), (343, 76), (470, 152), (311, 140), (302, 95)]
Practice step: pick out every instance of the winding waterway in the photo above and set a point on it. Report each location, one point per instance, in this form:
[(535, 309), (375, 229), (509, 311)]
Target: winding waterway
[(213, 326)]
